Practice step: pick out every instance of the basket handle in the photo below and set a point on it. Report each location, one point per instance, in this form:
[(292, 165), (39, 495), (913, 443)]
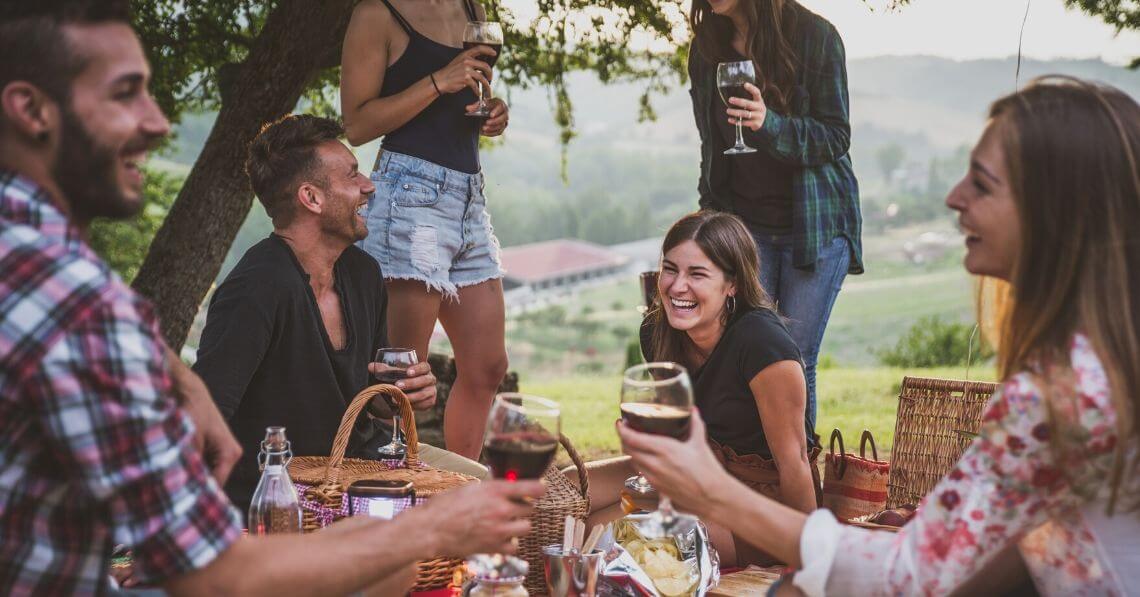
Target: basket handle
[(583, 475), (344, 432), (840, 463), (867, 437)]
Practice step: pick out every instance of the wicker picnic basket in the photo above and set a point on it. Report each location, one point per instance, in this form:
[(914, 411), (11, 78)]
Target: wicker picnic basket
[(549, 517), (328, 478), (937, 419)]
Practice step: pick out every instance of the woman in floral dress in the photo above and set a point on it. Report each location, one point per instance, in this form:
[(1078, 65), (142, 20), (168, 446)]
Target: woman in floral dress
[(1050, 205)]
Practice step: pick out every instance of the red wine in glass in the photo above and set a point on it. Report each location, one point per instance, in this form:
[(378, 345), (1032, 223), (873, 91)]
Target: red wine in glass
[(521, 455), (658, 419), (490, 60), (731, 91)]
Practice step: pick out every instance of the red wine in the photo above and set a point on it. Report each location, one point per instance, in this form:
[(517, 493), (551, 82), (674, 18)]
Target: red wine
[(734, 90), (520, 455), (491, 60), (391, 376), (659, 419)]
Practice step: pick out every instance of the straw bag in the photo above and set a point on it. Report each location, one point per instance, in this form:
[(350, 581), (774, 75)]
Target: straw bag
[(854, 486), (936, 421), (549, 516), (322, 481)]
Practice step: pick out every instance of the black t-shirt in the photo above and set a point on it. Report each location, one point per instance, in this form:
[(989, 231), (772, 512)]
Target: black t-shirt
[(266, 357), (759, 184), (752, 341)]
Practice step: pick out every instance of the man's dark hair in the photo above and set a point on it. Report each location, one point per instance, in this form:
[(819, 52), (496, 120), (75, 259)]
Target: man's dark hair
[(34, 48), (283, 156)]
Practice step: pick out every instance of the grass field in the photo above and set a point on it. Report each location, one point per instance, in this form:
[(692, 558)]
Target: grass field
[(850, 399)]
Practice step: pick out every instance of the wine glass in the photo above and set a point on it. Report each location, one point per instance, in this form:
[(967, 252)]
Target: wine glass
[(483, 33), (394, 367), (658, 398), (519, 443), (648, 290), (730, 80)]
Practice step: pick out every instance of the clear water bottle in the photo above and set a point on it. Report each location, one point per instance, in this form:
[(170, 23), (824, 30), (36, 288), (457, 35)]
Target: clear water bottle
[(274, 507)]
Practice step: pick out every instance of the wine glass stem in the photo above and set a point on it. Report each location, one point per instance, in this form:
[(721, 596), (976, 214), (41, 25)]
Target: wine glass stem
[(739, 134), (397, 430), (665, 507)]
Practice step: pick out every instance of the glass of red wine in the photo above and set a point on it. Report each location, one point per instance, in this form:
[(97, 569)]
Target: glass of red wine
[(658, 398), (394, 364), (648, 290), (520, 442), (483, 33), (522, 436), (730, 80)]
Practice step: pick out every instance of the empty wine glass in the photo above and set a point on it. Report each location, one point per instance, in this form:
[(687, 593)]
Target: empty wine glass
[(658, 398), (394, 364), (483, 33), (730, 80)]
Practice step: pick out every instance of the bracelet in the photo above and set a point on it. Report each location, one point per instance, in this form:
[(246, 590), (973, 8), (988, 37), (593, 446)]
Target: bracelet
[(433, 84)]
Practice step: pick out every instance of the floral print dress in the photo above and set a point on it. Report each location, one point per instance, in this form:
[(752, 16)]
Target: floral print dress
[(1008, 488)]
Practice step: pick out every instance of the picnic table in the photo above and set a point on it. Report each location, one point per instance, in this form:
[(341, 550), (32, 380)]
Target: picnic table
[(748, 582)]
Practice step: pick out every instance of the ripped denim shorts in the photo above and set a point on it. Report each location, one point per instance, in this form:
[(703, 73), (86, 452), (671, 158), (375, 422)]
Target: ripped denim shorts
[(430, 223)]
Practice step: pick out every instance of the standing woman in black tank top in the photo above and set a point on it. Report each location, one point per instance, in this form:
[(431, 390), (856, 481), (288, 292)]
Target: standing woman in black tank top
[(405, 78)]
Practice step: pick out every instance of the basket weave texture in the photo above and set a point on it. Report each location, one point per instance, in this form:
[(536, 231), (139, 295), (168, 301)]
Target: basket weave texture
[(854, 486), (937, 419), (549, 516), (329, 477)]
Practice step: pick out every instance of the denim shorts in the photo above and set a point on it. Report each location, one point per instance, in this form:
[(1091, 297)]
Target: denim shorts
[(430, 223)]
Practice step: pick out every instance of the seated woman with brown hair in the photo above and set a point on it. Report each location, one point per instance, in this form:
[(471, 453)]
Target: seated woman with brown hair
[(712, 316), (1050, 205)]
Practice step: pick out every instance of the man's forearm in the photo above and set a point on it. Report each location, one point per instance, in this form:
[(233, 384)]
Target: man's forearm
[(348, 556)]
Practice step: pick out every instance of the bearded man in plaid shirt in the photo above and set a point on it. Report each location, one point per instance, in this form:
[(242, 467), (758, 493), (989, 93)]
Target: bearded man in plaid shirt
[(105, 437)]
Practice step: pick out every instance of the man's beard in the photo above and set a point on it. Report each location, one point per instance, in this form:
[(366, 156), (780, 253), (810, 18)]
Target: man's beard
[(85, 172)]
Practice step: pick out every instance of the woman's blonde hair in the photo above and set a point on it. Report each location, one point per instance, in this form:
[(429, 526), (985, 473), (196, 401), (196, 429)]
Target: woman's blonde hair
[(1072, 148)]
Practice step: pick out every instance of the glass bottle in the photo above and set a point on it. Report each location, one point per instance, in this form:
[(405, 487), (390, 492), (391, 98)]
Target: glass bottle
[(274, 507)]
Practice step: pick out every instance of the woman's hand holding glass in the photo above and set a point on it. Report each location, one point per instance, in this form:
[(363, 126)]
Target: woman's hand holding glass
[(466, 71), (751, 113), (686, 470)]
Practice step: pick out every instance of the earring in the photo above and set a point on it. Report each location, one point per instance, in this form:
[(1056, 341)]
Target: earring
[(730, 303)]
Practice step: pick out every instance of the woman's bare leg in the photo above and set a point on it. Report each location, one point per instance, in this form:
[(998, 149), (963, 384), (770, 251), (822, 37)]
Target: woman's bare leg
[(412, 312), (475, 327)]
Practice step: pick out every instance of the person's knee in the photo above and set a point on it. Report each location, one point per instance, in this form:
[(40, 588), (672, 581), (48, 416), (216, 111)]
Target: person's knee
[(486, 372)]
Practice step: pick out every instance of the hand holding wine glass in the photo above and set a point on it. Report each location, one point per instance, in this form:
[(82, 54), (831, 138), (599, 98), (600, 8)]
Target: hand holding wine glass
[(468, 70), (731, 78), (391, 367), (657, 398), (490, 34)]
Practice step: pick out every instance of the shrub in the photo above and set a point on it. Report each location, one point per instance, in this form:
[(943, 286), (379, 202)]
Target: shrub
[(633, 354), (932, 342)]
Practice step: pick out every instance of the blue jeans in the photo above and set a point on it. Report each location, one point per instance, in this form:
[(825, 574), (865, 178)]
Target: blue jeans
[(804, 297)]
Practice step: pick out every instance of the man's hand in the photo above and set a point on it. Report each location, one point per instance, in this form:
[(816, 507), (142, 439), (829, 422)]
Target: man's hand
[(419, 386), (482, 517), (212, 436)]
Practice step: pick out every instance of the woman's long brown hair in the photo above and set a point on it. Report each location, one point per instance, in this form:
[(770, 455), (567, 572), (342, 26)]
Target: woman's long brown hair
[(1073, 150), (769, 43), (723, 238)]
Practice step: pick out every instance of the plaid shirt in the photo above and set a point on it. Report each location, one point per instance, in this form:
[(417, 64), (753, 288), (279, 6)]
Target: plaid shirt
[(814, 137), (93, 449)]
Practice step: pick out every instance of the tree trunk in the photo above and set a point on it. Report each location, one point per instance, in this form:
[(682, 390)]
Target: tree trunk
[(300, 38)]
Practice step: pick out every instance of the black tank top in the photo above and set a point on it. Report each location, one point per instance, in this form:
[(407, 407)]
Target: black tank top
[(442, 133)]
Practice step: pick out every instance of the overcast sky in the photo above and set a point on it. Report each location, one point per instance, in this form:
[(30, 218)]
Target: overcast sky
[(965, 29), (959, 29)]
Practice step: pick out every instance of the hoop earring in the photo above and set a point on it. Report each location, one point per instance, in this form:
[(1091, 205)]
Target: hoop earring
[(730, 303)]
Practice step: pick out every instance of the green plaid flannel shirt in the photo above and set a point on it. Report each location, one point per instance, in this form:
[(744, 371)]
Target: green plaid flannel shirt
[(815, 136)]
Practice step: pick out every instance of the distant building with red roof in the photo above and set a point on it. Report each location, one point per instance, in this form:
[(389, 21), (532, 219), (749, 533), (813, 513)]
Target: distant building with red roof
[(556, 266)]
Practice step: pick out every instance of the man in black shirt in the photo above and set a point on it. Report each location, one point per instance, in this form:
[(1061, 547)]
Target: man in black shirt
[(292, 330)]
